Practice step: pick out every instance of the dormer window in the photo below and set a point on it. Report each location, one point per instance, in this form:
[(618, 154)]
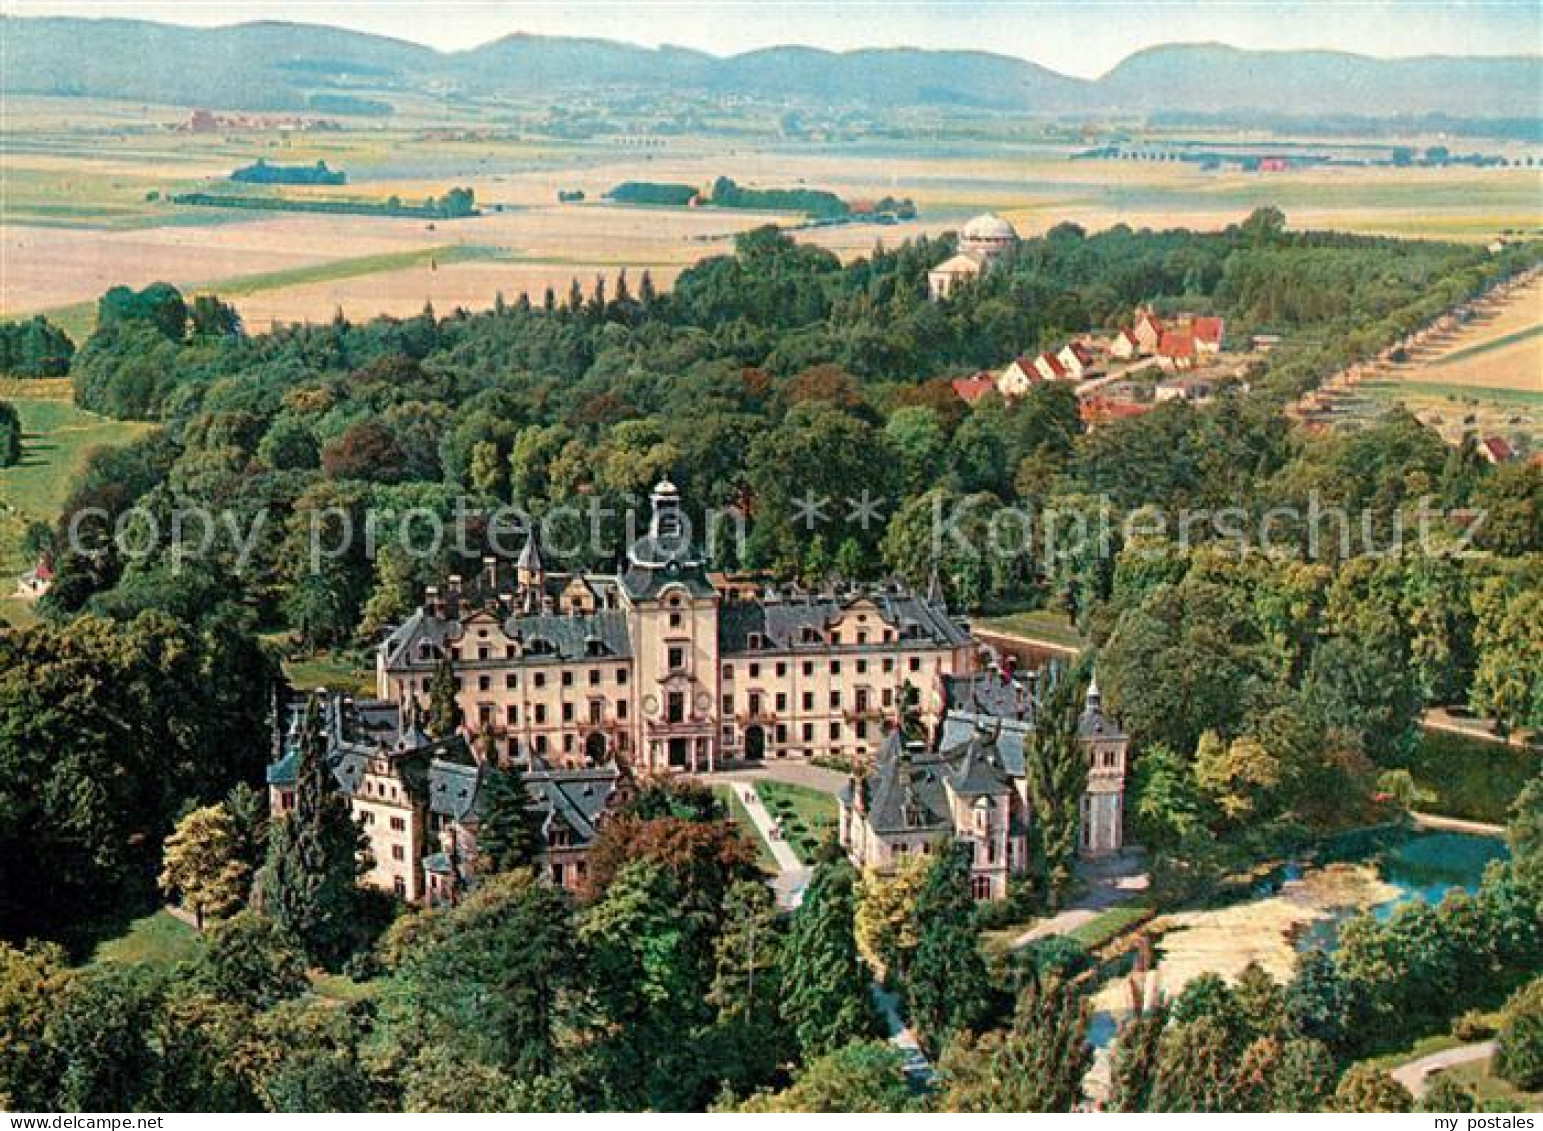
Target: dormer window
[(757, 641)]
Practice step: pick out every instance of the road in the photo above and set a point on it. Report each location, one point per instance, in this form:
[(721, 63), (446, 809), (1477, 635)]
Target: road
[(1414, 1074)]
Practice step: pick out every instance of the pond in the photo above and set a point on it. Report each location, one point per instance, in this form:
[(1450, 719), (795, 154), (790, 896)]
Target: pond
[(1302, 905)]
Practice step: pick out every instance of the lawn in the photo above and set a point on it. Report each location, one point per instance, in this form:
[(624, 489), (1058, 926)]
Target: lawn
[(1036, 625), (1108, 924), (736, 808), (1471, 778), (336, 671), (159, 939), (806, 815)]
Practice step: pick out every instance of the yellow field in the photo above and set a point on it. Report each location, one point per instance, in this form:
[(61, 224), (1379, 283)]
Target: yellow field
[(1501, 347), (80, 213)]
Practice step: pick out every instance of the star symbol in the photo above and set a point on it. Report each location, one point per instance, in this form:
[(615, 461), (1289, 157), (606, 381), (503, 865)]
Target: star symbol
[(810, 510), (865, 510)]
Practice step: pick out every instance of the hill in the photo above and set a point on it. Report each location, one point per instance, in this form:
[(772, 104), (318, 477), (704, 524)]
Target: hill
[(293, 67)]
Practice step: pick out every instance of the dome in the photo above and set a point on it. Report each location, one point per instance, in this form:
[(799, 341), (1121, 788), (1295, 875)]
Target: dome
[(989, 228)]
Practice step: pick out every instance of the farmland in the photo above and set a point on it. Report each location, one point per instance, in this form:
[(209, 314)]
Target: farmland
[(87, 190)]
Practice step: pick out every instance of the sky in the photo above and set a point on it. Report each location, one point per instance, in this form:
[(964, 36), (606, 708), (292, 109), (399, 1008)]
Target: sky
[(1079, 37)]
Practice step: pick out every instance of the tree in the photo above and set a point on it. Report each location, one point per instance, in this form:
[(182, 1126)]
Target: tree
[(885, 924), (1317, 1002), (308, 883), (1519, 1044), (1303, 1078), (865, 1076), (1057, 767), (824, 988), (488, 979), (1037, 1065), (508, 829), (10, 435), (444, 707), (1239, 777), (947, 989), (1197, 1068), (751, 1038), (249, 960), (99, 1031), (203, 867), (32, 984), (1133, 1063), (1366, 1089), (703, 859)]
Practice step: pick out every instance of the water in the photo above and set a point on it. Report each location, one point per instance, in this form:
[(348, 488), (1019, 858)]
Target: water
[(1421, 865)]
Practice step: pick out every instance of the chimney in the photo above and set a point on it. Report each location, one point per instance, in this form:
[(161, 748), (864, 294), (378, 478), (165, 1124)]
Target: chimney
[(490, 572), (432, 605)]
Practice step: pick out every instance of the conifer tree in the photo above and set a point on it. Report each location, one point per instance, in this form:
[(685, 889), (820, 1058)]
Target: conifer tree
[(444, 709), (948, 988), (508, 830), (1058, 776), (1036, 1065), (824, 985), (1133, 1063), (308, 885)]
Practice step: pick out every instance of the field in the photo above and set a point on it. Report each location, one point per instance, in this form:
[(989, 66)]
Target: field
[(56, 439), (86, 188), (1470, 778), (1480, 374)]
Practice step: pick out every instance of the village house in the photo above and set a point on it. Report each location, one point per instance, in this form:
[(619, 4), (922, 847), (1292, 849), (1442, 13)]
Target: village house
[(1049, 367), (660, 668), (970, 784), (972, 389), (1018, 377), (985, 241), (1077, 360), (1185, 387), (1124, 346), (1176, 350), (1496, 449)]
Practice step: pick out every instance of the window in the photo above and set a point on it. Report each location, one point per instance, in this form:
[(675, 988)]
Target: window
[(398, 824), (511, 682), (674, 620), (914, 663), (676, 708), (512, 715), (728, 704), (835, 732), (482, 653), (621, 677), (594, 677), (862, 667), (835, 667), (808, 668), (621, 708), (755, 671), (808, 732), (567, 712), (596, 708), (835, 700), (567, 679), (540, 679), (399, 885), (728, 671), (889, 664), (484, 714), (782, 700), (484, 683), (782, 670), (808, 700), (398, 852), (676, 659), (540, 713)]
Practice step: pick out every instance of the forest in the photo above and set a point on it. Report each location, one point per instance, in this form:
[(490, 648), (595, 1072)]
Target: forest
[(1270, 697)]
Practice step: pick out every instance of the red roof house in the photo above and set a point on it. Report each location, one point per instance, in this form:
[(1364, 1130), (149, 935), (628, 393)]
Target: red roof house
[(971, 389), (1496, 449)]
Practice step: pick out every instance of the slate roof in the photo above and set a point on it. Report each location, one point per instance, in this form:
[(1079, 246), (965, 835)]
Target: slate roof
[(783, 621), (566, 636), (577, 798)]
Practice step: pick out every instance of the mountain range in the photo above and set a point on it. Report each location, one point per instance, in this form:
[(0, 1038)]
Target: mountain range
[(275, 66)]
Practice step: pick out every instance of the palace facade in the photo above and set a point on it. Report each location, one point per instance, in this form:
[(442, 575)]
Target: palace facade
[(667, 668)]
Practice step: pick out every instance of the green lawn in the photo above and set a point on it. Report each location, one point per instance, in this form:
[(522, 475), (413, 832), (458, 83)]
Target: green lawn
[(341, 988), (763, 852), (56, 439), (1035, 624), (159, 939), (336, 671), (1471, 778), (1115, 921), (806, 815)]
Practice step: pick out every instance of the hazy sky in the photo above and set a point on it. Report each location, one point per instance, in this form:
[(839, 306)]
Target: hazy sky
[(1082, 37)]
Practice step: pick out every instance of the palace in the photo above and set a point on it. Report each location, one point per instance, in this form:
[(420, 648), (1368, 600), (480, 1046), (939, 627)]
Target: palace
[(587, 681), (666, 668)]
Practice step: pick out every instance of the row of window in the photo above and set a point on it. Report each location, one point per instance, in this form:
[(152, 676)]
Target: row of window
[(862, 701), (487, 713), (753, 669), (537, 680)]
